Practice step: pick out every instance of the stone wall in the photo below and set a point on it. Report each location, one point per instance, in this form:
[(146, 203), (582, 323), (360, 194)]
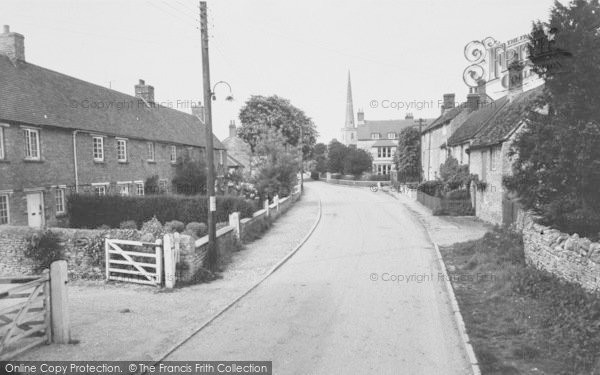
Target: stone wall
[(84, 250), (569, 257)]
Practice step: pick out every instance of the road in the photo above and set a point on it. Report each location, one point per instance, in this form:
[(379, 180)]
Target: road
[(334, 307)]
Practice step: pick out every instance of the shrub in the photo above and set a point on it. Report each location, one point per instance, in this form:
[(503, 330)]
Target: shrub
[(336, 176), (44, 247), (153, 227), (196, 229), (128, 224), (151, 185), (314, 175), (432, 188), (458, 194), (90, 211), (174, 226)]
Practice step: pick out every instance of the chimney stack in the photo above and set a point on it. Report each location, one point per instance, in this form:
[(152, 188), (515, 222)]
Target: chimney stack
[(448, 102), (360, 116), (198, 110), (481, 90), (473, 100), (144, 91), (12, 44), (232, 129), (515, 79)]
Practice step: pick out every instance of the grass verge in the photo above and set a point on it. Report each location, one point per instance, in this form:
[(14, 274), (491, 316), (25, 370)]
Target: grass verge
[(522, 320)]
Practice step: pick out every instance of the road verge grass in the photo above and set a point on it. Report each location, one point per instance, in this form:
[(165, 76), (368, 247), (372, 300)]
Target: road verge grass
[(522, 320)]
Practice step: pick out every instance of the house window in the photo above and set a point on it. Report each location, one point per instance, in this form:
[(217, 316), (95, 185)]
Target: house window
[(375, 135), (98, 148), (221, 157), (121, 150), (32, 144), (384, 152), (60, 201), (124, 189), (492, 159), (139, 187), (99, 189), (150, 151), (1, 143), (4, 209), (173, 154), (391, 135), (462, 152)]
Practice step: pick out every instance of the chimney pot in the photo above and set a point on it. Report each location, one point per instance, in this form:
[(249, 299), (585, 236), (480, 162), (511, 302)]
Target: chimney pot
[(12, 44), (6, 29), (448, 102), (144, 91), (232, 129)]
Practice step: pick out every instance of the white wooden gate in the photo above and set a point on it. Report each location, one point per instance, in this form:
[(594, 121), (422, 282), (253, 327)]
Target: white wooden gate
[(134, 261)]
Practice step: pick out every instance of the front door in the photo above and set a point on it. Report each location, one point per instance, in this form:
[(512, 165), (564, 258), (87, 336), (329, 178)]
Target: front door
[(35, 210)]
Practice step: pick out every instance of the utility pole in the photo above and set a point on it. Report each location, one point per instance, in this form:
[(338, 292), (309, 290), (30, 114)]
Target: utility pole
[(301, 158), (210, 178), (420, 121)]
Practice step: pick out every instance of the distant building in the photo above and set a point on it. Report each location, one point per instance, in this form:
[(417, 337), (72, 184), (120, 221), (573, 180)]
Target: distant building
[(348, 132), (238, 150), (59, 134)]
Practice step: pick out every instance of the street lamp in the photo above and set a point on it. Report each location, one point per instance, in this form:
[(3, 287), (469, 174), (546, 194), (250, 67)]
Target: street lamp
[(229, 97)]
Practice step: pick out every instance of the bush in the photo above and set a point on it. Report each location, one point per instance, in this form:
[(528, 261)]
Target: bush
[(153, 227), (458, 194), (174, 226), (44, 247), (151, 185), (336, 176), (314, 175), (90, 211), (196, 229), (432, 188), (128, 224)]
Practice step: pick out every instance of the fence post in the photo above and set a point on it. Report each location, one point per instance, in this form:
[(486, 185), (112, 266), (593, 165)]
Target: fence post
[(169, 255), (234, 221), (59, 303), (267, 207), (159, 263), (107, 257), (47, 307), (276, 200)]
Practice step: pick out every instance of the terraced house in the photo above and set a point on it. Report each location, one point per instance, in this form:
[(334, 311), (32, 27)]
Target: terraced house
[(59, 134)]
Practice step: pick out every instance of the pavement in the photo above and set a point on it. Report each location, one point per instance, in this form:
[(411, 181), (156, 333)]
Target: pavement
[(123, 321), (362, 296)]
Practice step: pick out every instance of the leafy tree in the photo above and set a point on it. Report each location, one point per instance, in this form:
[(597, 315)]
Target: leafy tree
[(190, 176), (336, 153), (151, 185), (407, 157), (454, 175), (261, 113), (319, 155), (557, 166), (277, 165), (357, 161)]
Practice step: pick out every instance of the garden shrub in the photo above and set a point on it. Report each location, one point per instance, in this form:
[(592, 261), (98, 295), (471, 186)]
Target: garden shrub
[(90, 211), (154, 227), (430, 187), (314, 175), (174, 226), (196, 229), (458, 194), (336, 176), (44, 247), (128, 224)]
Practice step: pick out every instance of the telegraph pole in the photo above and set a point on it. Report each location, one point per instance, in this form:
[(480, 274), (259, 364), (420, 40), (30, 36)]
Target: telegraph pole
[(210, 178), (420, 121)]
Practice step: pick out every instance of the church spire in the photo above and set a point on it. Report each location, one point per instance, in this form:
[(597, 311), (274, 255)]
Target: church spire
[(349, 106)]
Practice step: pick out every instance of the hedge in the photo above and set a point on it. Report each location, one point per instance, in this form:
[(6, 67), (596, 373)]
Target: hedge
[(90, 211)]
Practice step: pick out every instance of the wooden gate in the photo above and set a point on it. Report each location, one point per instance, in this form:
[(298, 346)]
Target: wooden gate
[(134, 261), (24, 314)]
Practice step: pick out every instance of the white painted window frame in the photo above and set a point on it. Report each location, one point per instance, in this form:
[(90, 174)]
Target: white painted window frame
[(121, 141), (7, 197), (98, 154), (60, 200), (29, 146)]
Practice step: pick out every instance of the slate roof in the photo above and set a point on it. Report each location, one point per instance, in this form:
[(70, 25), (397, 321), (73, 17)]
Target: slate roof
[(239, 149), (475, 121), (385, 126), (506, 120), (445, 117), (37, 96)]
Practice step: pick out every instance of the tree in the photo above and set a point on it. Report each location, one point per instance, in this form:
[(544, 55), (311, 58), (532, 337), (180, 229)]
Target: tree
[(407, 157), (190, 176), (261, 113), (453, 175), (277, 165), (336, 153), (319, 155), (557, 166), (357, 161)]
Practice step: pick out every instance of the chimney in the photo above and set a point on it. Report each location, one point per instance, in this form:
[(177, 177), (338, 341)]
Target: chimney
[(515, 79), (12, 44), (144, 91), (409, 116), (473, 100), (448, 102), (232, 129), (360, 116), (481, 90), (198, 110)]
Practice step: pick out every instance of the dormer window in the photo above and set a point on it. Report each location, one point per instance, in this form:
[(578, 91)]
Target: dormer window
[(391, 135), (375, 135)]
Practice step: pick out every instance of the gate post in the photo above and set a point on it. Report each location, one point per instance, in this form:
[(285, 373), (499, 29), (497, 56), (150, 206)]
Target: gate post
[(159, 263), (267, 207), (169, 254), (276, 201), (61, 325), (234, 221)]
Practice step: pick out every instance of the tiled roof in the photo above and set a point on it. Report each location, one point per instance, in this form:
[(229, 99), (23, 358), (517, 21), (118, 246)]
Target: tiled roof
[(37, 96), (445, 117), (385, 126), (239, 149), (506, 119), (475, 121), (233, 162), (384, 143)]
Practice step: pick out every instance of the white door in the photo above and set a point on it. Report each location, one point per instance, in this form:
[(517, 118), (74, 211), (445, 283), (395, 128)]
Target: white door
[(35, 210)]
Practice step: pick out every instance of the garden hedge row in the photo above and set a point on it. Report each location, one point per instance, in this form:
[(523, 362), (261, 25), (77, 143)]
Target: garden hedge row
[(90, 211)]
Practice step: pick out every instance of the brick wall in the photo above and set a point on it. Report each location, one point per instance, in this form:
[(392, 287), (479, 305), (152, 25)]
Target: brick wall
[(569, 257)]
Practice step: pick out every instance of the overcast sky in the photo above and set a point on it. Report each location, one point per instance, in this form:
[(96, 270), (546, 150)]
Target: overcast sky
[(396, 50)]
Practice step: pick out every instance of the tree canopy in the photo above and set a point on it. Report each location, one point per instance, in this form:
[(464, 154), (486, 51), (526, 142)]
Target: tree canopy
[(407, 157)]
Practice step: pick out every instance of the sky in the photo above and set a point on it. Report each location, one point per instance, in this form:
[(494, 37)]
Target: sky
[(402, 55)]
